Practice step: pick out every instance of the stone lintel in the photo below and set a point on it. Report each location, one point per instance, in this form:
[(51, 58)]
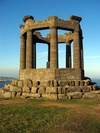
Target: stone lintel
[(27, 17), (53, 18), (75, 18)]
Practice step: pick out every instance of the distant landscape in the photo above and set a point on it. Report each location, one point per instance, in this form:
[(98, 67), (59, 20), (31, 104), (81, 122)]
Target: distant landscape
[(2, 78)]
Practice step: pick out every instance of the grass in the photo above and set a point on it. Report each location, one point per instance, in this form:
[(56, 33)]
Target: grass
[(39, 116)]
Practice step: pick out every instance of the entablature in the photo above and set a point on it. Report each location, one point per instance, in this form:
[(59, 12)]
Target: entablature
[(30, 24)]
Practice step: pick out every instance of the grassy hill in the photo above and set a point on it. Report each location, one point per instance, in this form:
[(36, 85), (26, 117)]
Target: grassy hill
[(40, 116)]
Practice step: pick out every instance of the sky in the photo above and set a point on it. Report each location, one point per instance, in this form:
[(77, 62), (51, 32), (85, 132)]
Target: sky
[(12, 13)]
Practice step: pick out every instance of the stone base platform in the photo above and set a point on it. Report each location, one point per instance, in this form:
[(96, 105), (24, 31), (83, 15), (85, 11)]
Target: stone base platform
[(50, 89), (51, 74)]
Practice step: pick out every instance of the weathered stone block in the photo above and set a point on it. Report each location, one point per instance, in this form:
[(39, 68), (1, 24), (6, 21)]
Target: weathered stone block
[(7, 86), (14, 82), (26, 89), (7, 95), (50, 96), (74, 95), (30, 95), (20, 83), (37, 95), (59, 90), (35, 83), (42, 90), (62, 82), (28, 83), (44, 83), (15, 88), (1, 93), (92, 94), (34, 90), (51, 90), (62, 96), (26, 95), (14, 94), (18, 94), (85, 89)]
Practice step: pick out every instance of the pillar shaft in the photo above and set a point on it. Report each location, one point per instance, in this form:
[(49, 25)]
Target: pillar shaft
[(29, 50), (34, 55), (53, 48), (82, 57), (77, 51), (68, 55), (22, 52)]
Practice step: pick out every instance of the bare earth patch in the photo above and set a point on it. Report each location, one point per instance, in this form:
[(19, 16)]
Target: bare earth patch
[(12, 102)]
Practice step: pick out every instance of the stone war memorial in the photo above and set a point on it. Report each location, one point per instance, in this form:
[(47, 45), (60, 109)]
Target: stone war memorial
[(51, 82)]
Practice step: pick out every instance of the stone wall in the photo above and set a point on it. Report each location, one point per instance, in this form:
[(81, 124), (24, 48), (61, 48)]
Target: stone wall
[(52, 74)]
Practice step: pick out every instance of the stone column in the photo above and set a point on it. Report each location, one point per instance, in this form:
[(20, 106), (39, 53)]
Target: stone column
[(34, 55), (29, 50), (77, 51), (22, 52), (68, 54), (48, 62), (53, 48), (82, 57)]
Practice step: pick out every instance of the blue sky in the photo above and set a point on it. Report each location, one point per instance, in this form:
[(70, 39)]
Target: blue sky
[(12, 13)]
